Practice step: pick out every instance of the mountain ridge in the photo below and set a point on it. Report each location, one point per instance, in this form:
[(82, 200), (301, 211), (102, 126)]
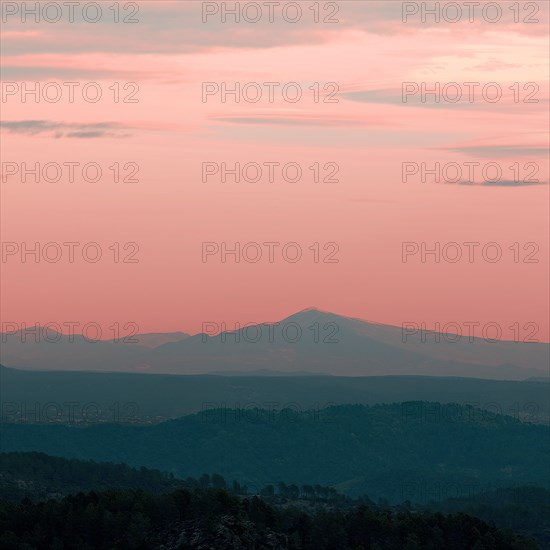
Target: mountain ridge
[(310, 341)]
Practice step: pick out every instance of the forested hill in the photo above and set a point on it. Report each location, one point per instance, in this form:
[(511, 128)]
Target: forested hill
[(216, 519), (400, 451), (39, 477)]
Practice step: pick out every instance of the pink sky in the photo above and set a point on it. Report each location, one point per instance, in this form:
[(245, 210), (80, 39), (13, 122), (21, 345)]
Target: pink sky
[(370, 212)]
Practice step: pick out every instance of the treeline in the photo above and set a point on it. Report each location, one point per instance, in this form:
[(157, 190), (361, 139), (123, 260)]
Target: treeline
[(276, 493), (522, 509), (193, 519), (37, 476)]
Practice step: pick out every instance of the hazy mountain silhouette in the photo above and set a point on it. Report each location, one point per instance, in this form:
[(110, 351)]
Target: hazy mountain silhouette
[(57, 351), (310, 341), (154, 339)]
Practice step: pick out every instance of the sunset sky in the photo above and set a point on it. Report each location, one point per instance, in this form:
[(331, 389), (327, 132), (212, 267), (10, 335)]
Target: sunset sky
[(368, 133)]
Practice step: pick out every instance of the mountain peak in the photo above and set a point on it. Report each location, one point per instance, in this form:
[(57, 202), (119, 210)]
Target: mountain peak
[(312, 308), (311, 312)]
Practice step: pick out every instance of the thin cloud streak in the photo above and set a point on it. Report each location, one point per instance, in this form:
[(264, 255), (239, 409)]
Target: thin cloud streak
[(64, 129)]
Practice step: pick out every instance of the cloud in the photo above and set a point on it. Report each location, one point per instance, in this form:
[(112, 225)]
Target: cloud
[(394, 96), (86, 135), (179, 27), (64, 129), (501, 183), (35, 72), (500, 151), (303, 120), (414, 98)]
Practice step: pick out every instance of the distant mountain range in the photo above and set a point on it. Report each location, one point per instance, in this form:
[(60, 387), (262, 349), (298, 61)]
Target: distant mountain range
[(308, 342), (152, 398)]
